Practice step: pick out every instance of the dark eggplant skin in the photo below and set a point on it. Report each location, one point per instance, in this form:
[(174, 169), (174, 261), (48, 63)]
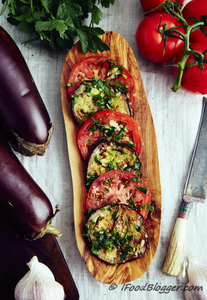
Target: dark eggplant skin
[(24, 119), (22, 201)]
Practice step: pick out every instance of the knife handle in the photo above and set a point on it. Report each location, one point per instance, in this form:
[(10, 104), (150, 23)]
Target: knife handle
[(172, 265)]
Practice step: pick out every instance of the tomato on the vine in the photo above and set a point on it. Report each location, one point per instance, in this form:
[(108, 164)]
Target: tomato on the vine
[(151, 4), (194, 78), (196, 9), (150, 40)]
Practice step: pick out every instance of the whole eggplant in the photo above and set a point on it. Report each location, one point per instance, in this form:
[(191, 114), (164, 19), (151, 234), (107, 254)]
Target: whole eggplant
[(22, 201), (24, 119)]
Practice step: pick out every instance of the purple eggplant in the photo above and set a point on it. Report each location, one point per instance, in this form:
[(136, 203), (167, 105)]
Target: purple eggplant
[(24, 119), (21, 199)]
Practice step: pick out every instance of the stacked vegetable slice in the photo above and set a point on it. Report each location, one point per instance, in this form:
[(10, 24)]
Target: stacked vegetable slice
[(110, 141)]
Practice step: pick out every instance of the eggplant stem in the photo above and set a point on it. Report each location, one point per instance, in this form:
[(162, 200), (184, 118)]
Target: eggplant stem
[(29, 149), (49, 228)]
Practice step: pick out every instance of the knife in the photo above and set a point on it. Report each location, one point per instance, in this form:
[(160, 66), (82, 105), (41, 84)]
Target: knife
[(195, 190)]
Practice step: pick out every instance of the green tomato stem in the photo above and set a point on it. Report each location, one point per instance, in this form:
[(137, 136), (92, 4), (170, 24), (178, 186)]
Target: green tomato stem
[(168, 6), (186, 52)]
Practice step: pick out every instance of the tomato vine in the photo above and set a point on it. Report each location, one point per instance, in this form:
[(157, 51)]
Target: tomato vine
[(173, 8)]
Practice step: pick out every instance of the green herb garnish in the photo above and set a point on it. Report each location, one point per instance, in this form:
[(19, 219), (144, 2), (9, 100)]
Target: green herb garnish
[(59, 21), (142, 189), (138, 228), (148, 206)]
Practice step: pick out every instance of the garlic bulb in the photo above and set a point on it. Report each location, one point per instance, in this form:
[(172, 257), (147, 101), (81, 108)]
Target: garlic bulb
[(197, 275), (38, 284)]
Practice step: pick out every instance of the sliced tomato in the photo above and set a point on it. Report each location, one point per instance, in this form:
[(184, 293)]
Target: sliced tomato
[(119, 186), (103, 68), (109, 125)]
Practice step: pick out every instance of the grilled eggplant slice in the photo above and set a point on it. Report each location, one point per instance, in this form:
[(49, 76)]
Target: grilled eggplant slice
[(117, 234), (109, 156), (97, 95)]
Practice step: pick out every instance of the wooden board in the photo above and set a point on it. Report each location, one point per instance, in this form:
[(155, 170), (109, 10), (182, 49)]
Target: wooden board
[(121, 52), (16, 252)]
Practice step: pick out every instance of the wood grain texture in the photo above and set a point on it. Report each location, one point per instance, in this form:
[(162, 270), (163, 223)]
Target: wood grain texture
[(123, 54)]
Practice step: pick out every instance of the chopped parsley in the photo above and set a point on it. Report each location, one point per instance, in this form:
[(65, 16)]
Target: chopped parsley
[(125, 252), (148, 206), (132, 204), (113, 65), (138, 228), (130, 144), (115, 215), (143, 189)]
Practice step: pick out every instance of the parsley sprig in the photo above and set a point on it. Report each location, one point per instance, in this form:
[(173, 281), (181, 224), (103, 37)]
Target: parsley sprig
[(59, 21)]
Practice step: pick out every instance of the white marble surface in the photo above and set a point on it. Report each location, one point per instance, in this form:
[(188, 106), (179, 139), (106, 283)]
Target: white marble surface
[(176, 117)]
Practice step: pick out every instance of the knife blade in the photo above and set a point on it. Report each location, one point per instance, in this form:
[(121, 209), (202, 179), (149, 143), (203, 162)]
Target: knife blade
[(195, 190)]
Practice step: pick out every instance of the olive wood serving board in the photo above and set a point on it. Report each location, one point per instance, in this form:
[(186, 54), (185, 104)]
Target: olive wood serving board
[(121, 52)]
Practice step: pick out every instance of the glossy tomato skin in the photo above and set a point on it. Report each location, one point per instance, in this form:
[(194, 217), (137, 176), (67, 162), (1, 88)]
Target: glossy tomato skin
[(150, 40), (194, 79), (151, 4), (196, 9), (87, 138), (97, 66), (116, 187)]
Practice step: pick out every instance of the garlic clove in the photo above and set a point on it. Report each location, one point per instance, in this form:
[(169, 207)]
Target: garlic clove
[(38, 284), (197, 275)]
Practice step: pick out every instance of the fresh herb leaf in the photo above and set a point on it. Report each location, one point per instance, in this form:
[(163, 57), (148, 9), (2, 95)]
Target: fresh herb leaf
[(106, 3), (143, 189), (130, 144), (116, 214), (131, 203), (148, 206), (96, 15), (125, 252), (138, 228), (89, 39), (136, 179), (59, 22)]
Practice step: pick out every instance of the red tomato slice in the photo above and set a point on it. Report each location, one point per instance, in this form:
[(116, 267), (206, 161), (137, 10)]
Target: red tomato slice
[(100, 66), (111, 126), (119, 186)]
